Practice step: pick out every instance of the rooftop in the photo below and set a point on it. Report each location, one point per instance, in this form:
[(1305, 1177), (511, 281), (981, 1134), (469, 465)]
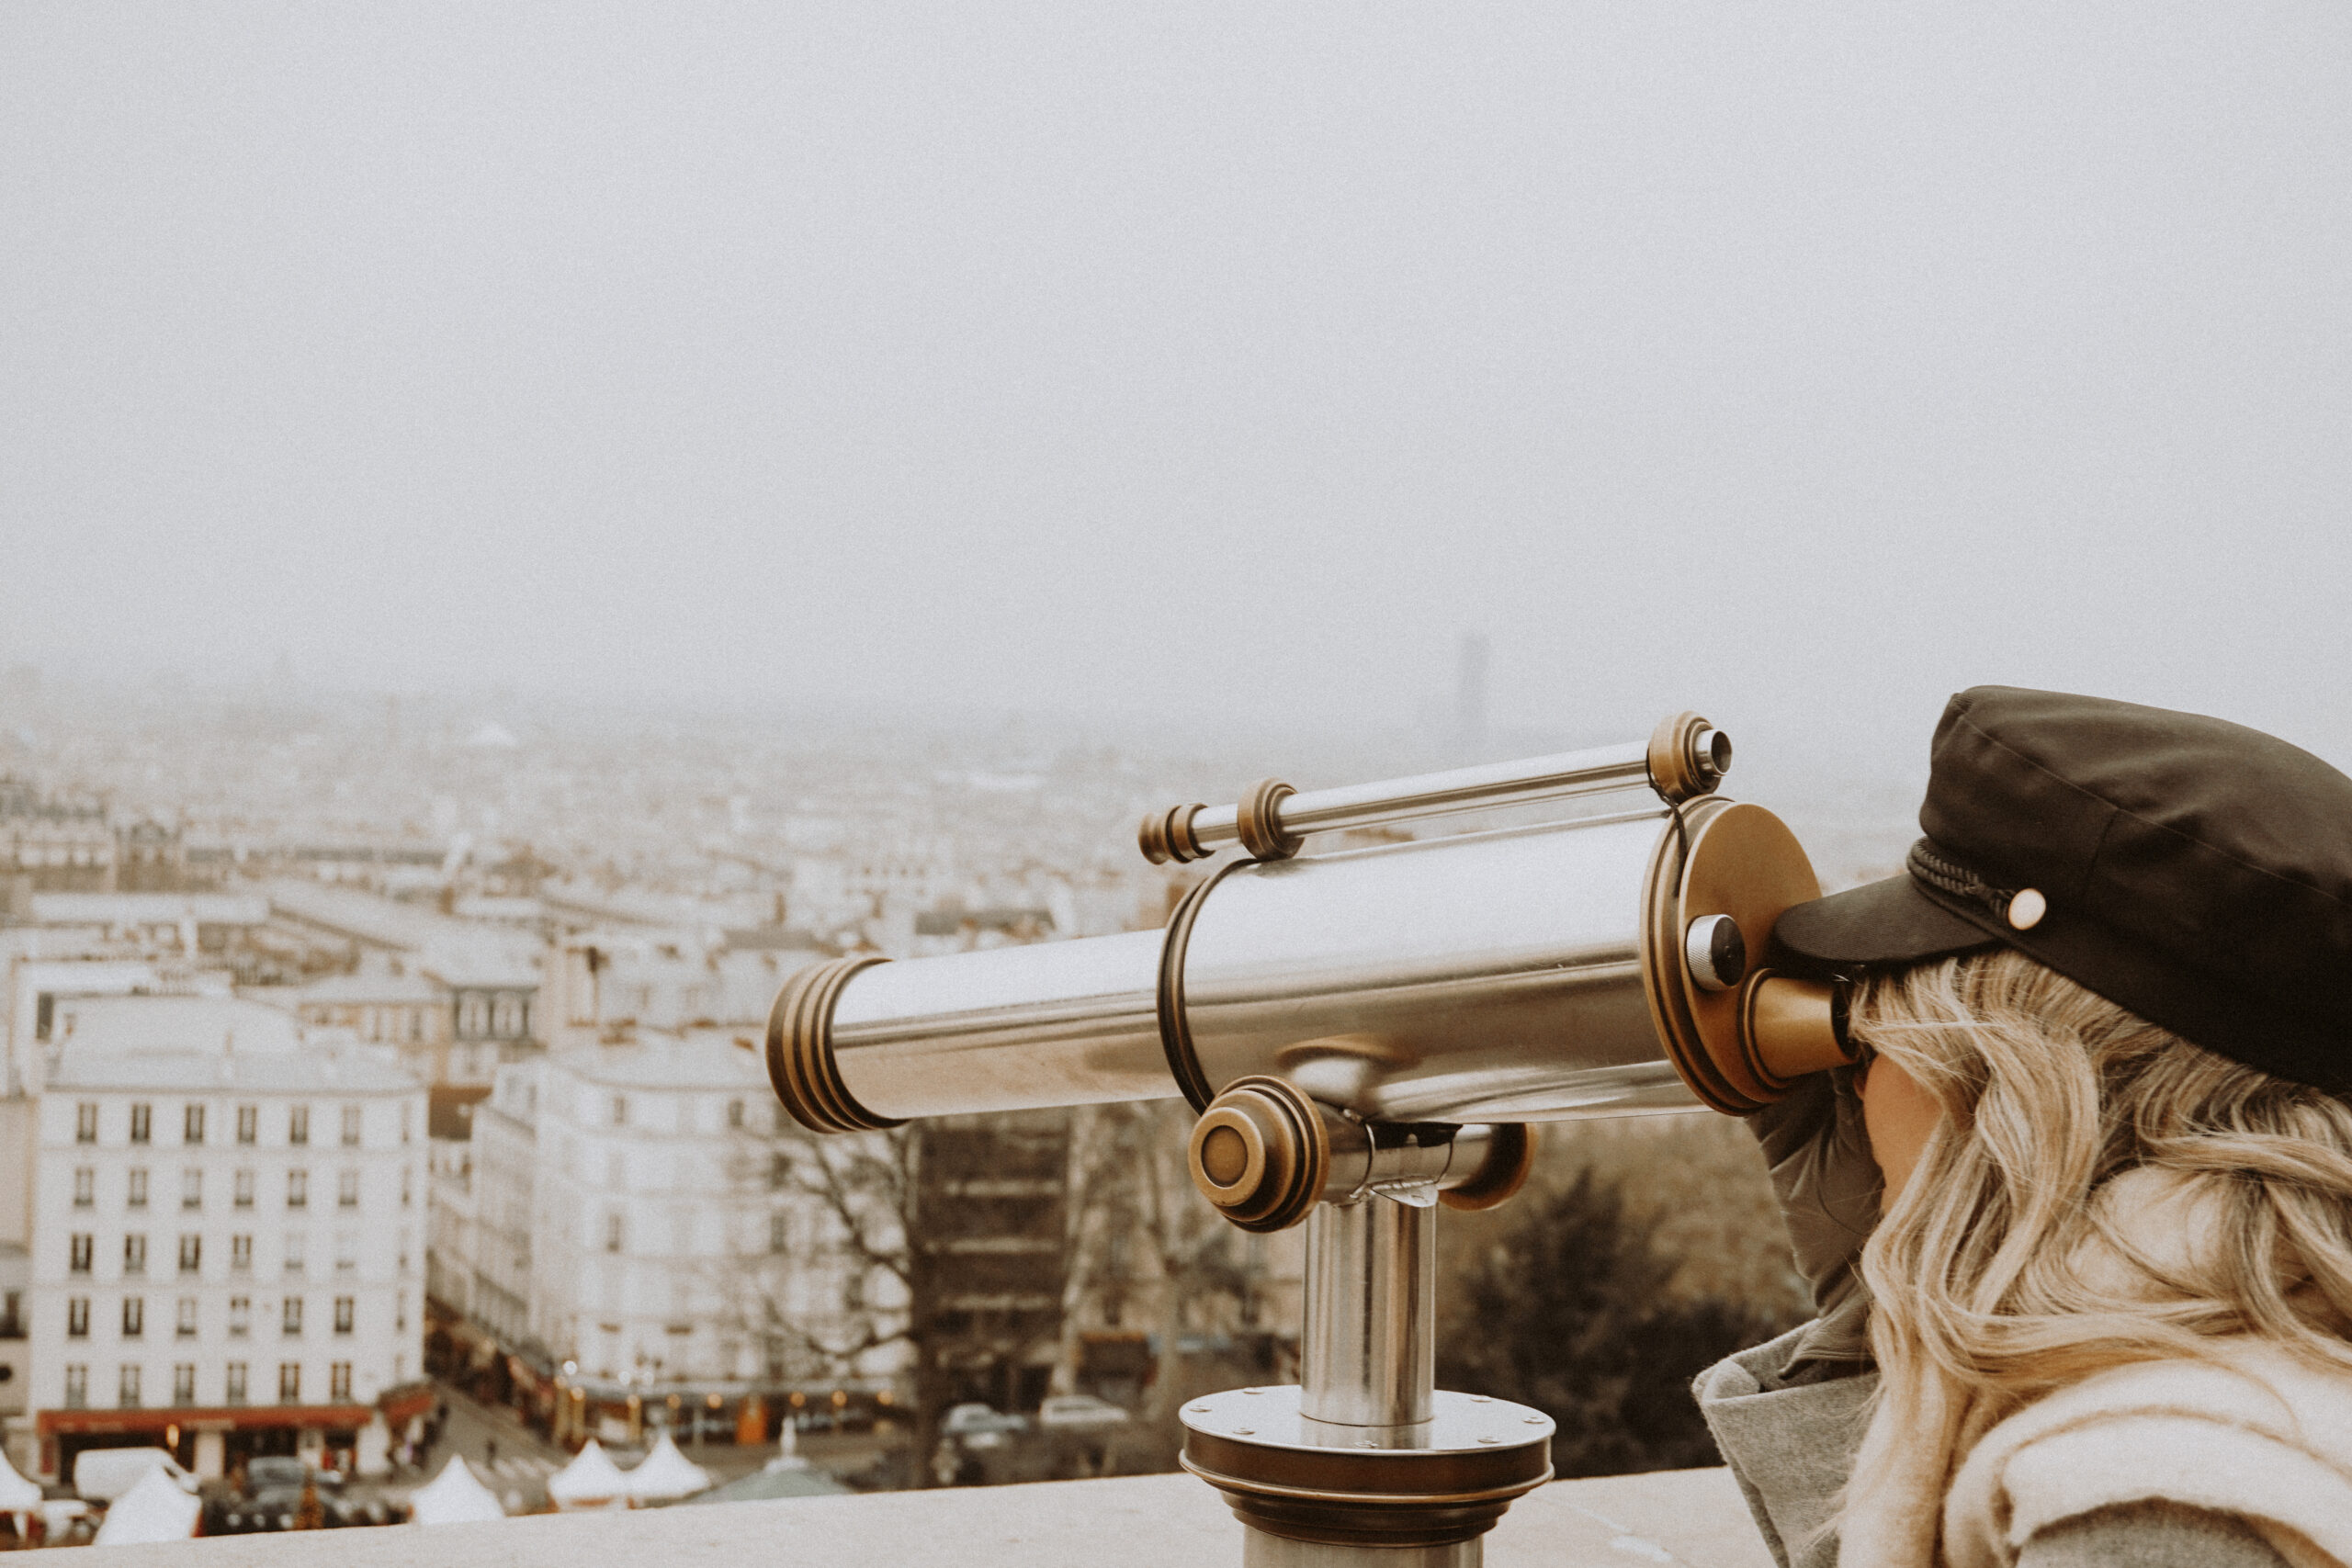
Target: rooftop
[(91, 1026), (1692, 1518), (149, 909), (701, 1059), (375, 988)]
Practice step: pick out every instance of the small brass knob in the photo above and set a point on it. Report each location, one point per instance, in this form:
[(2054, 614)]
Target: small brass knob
[(1260, 1152)]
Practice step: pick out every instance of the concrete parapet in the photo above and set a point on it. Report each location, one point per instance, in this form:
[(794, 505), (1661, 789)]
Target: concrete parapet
[(1692, 1518)]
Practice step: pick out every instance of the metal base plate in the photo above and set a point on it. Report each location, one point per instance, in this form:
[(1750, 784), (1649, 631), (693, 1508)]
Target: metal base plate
[(1447, 1480)]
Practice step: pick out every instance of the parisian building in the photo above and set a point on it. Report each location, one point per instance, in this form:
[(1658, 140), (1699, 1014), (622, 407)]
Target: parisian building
[(227, 1238)]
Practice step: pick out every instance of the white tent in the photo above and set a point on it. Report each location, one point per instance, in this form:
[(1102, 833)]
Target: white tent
[(590, 1481), (19, 1497), (456, 1497), (155, 1509), (667, 1475)]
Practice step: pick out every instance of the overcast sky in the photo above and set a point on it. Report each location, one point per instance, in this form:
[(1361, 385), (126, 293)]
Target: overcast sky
[(1801, 363)]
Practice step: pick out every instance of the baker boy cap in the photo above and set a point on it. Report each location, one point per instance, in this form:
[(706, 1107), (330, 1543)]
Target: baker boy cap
[(2193, 872)]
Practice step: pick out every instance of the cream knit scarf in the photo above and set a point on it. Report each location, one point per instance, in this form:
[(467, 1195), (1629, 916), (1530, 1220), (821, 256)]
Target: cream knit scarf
[(2254, 1431)]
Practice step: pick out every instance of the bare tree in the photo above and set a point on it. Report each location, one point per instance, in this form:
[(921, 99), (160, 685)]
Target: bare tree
[(1148, 1249)]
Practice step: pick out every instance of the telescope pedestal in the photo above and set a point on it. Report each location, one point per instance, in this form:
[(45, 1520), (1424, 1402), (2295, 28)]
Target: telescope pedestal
[(1365, 1465)]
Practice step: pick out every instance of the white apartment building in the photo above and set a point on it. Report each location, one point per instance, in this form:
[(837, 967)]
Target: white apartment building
[(228, 1224), (635, 1220)]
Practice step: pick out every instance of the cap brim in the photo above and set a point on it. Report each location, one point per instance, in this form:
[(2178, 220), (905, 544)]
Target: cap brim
[(1880, 922)]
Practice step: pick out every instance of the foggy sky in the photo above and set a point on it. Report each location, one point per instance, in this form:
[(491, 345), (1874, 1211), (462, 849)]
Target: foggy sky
[(1800, 363)]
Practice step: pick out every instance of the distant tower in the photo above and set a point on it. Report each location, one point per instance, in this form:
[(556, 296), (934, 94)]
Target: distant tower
[(1470, 692)]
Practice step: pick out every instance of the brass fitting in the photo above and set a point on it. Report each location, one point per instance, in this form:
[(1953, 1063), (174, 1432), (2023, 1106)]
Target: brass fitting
[(1261, 1154)]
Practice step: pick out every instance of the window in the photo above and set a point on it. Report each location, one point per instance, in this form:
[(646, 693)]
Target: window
[(77, 1387), (298, 1124), (243, 1197), (191, 1253), (134, 1317), (127, 1389), (343, 1313), (240, 1253), (184, 1383), (298, 1189), (186, 1328), (289, 1382), (339, 1381), (291, 1318), (779, 1231), (405, 1117), (407, 1180), (192, 1125), (232, 1390), (248, 1124), (404, 1255), (191, 1189), (85, 1123), (77, 1318), (143, 1123), (297, 1244), (779, 1172), (80, 1255), (240, 1316), (137, 1196), (85, 1187), (134, 1255), (734, 1114), (346, 1190), (400, 1315), (612, 1232), (621, 1111), (351, 1127), (346, 1252)]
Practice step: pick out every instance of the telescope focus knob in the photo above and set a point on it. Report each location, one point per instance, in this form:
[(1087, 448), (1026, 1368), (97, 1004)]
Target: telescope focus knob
[(1261, 1154)]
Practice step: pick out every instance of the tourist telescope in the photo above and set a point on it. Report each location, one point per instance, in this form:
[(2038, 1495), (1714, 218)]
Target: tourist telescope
[(1366, 1035)]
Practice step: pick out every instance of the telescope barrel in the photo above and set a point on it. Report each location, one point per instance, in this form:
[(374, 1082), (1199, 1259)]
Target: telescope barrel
[(1589, 967), (1010, 1029), (1687, 757)]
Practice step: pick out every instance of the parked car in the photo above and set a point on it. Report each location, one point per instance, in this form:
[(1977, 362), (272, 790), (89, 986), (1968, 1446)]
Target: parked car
[(1078, 1412), (979, 1425)]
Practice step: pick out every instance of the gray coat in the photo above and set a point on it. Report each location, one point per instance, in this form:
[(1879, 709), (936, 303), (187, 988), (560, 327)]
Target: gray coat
[(1790, 1444)]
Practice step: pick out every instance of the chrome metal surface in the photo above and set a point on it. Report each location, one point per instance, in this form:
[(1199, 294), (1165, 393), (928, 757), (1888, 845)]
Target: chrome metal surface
[(1488, 978), (1368, 1347), (1273, 1417), (1009, 1029), (1564, 776), (1715, 951), (1260, 1550), (1712, 750)]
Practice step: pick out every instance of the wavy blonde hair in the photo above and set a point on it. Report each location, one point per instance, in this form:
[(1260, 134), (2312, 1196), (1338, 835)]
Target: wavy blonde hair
[(2009, 1266)]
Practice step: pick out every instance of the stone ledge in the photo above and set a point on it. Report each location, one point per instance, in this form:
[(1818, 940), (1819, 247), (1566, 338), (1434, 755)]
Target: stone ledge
[(1692, 1518)]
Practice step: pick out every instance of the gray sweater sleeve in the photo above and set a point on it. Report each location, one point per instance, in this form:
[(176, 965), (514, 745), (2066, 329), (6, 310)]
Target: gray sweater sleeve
[(1788, 1448)]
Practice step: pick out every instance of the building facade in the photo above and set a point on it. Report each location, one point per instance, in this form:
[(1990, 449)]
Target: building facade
[(629, 1218), (228, 1225)]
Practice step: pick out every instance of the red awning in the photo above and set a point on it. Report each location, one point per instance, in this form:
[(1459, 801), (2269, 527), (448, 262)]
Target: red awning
[(239, 1418)]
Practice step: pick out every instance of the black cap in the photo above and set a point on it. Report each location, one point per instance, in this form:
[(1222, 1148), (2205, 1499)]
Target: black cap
[(2191, 871)]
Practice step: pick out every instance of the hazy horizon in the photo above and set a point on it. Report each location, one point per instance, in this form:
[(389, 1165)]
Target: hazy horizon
[(1196, 366)]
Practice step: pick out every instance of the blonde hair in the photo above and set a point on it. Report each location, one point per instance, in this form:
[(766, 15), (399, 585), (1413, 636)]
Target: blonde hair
[(2010, 1264)]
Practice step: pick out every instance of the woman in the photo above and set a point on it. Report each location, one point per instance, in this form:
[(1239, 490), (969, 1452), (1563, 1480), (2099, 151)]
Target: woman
[(2085, 1203)]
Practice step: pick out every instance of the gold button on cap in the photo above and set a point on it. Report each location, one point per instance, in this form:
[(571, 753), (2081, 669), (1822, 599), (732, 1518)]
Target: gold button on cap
[(2026, 908)]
